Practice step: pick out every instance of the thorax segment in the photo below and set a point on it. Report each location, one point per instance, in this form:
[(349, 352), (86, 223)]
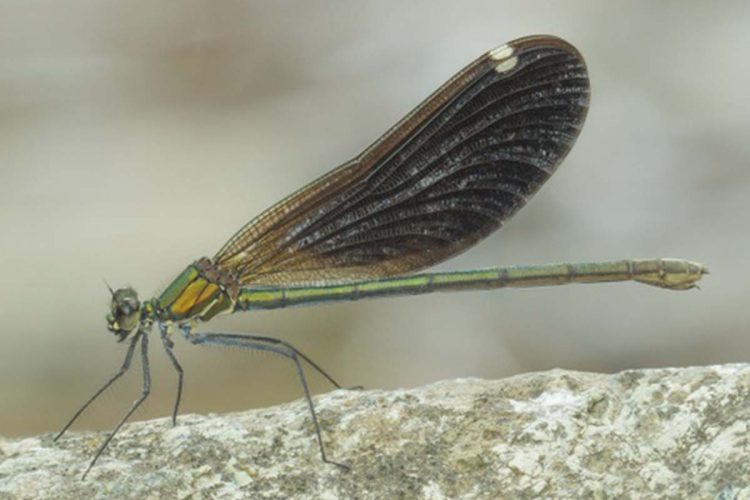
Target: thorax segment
[(201, 291)]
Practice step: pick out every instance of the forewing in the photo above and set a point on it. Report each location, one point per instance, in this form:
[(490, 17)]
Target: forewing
[(440, 180)]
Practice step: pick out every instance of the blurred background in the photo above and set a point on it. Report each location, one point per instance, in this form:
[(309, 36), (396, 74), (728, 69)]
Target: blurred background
[(138, 136)]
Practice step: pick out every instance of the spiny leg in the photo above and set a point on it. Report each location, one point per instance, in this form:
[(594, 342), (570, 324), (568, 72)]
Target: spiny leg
[(271, 341), (124, 368), (168, 345), (270, 344), (136, 403)]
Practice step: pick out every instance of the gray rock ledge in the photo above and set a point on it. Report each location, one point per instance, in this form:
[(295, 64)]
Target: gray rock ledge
[(666, 433)]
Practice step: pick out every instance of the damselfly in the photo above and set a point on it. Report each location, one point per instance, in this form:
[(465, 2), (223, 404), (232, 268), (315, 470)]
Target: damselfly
[(446, 176)]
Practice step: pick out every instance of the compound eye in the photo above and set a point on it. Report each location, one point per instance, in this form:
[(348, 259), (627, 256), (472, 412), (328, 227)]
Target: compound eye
[(125, 309)]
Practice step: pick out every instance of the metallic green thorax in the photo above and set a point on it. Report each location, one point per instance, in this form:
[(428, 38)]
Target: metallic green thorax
[(178, 286), (201, 291)]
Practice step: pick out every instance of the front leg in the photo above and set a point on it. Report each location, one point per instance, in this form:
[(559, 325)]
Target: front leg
[(168, 345), (278, 346), (144, 394)]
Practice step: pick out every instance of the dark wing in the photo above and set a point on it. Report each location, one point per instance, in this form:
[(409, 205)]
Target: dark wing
[(440, 180)]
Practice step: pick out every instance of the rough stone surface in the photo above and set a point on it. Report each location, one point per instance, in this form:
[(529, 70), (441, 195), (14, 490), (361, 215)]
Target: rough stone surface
[(667, 433)]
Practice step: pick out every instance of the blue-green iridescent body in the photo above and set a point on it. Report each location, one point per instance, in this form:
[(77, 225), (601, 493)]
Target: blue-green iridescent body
[(193, 296)]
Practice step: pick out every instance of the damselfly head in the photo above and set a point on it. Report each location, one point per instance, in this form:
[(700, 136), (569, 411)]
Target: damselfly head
[(124, 314)]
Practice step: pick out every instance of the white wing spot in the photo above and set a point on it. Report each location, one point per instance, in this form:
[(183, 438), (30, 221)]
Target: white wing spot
[(506, 65), (500, 53), (504, 55)]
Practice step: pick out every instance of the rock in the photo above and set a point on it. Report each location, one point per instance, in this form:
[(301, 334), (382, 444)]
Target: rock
[(666, 433)]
